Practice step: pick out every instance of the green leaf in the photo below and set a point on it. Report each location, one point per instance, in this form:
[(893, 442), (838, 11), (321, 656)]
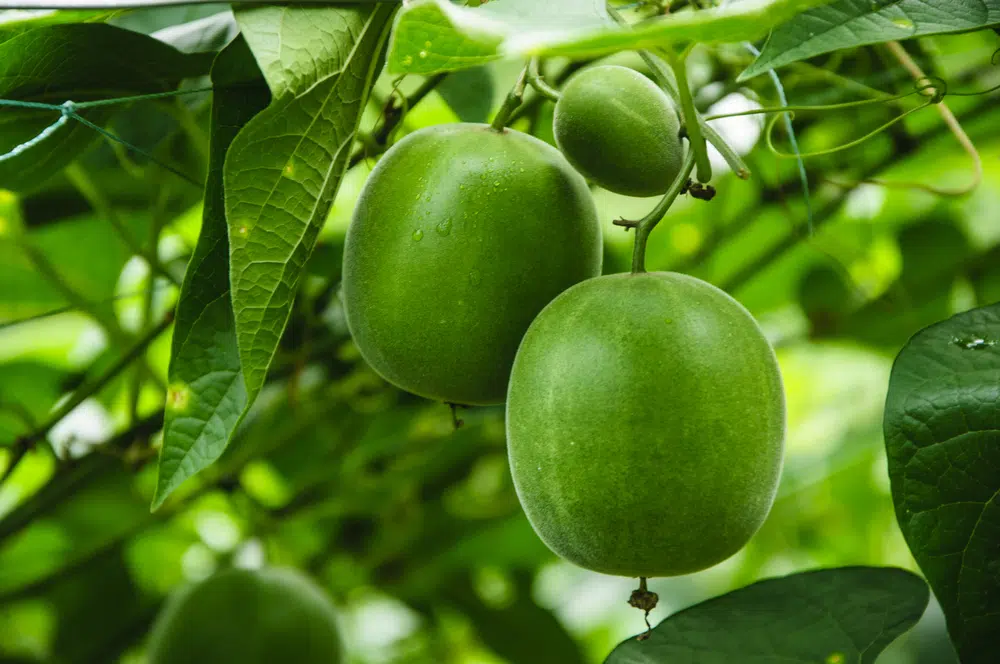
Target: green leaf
[(434, 35), (284, 168), (207, 393), (850, 23), (943, 441), (208, 34), (828, 616), (79, 62), (15, 21), (469, 93)]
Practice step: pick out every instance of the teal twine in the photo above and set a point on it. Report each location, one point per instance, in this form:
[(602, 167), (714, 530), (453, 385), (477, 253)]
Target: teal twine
[(68, 110), (787, 119)]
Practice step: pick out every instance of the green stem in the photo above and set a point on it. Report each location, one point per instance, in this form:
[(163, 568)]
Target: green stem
[(536, 81), (513, 100), (692, 123), (646, 225)]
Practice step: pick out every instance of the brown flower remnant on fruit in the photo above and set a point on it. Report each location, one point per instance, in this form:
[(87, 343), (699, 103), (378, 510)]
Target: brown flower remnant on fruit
[(644, 599)]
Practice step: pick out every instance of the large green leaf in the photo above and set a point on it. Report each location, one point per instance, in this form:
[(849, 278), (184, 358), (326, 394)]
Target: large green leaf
[(78, 62), (942, 434), (434, 35), (15, 21), (207, 392), (284, 168), (830, 616), (850, 23)]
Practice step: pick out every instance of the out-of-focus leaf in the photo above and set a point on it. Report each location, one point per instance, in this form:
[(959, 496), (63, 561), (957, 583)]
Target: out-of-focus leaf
[(202, 35), (943, 444), (469, 92), (517, 629), (283, 169), (850, 23), (78, 62), (86, 252), (829, 616), (208, 395), (434, 35)]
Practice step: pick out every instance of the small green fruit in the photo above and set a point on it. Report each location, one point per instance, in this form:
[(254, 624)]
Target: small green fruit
[(645, 425), (247, 617), (620, 130), (461, 236)]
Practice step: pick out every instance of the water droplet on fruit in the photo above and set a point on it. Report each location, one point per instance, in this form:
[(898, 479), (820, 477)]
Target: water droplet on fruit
[(423, 54), (497, 183), (427, 44), (444, 228), (904, 23), (418, 235), (408, 60)]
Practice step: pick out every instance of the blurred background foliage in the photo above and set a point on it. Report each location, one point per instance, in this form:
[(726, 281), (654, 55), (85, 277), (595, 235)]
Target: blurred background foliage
[(411, 525)]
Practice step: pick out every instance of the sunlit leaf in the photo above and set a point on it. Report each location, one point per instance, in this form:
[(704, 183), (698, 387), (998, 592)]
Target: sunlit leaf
[(284, 168), (207, 393), (434, 35)]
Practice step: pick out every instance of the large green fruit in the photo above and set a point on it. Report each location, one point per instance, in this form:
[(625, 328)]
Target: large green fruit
[(461, 236), (247, 617), (620, 130), (645, 425)]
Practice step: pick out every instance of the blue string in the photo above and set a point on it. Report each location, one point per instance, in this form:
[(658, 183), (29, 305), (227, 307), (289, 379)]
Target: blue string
[(68, 111), (18, 150), (787, 118)]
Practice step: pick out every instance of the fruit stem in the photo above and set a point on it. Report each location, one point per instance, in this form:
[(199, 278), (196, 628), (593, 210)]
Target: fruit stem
[(536, 81), (691, 124), (513, 100), (646, 225), (645, 600)]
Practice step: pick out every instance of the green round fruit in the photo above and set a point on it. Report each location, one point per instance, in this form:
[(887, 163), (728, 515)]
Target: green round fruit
[(247, 617), (461, 236), (645, 425), (620, 130)]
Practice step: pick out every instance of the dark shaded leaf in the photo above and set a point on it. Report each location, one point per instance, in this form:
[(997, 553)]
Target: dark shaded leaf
[(942, 433), (829, 616), (79, 62)]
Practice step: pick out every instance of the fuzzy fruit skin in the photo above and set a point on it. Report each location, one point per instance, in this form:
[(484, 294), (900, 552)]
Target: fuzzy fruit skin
[(620, 130), (645, 425), (461, 236), (247, 617)]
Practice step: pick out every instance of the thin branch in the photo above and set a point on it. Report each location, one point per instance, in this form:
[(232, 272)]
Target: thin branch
[(949, 119), (645, 226), (393, 115)]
